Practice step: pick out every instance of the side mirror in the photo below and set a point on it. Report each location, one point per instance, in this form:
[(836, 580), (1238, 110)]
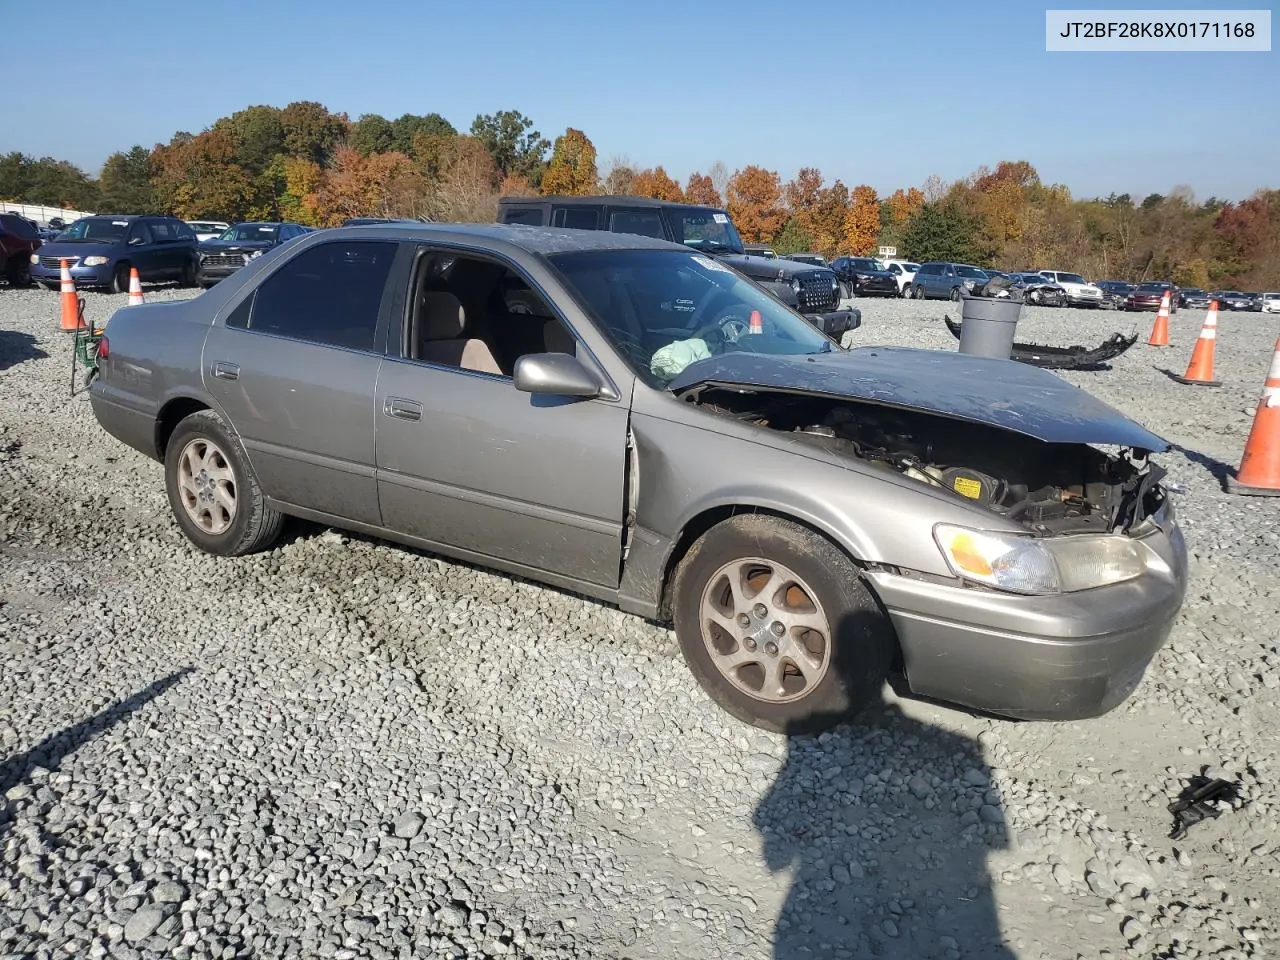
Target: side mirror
[(556, 374), (136, 242)]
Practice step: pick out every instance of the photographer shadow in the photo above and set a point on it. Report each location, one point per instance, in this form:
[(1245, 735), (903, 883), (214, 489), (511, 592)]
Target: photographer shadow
[(886, 823)]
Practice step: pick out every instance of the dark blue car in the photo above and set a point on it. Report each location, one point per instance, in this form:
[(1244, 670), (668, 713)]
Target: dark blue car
[(101, 250), (238, 245)]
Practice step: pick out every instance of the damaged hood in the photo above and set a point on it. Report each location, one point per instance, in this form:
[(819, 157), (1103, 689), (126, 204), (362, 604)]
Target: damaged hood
[(999, 393)]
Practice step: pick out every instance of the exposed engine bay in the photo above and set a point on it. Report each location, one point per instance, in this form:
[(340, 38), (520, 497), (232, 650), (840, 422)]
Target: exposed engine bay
[(1050, 488)]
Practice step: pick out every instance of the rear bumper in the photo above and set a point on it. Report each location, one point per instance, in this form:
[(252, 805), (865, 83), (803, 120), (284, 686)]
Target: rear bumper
[(127, 424), (1065, 657), (837, 322)]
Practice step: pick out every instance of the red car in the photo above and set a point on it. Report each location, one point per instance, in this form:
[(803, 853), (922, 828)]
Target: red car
[(18, 241), (1147, 296)]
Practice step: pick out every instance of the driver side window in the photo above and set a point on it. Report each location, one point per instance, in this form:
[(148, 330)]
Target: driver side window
[(476, 314), (139, 235)]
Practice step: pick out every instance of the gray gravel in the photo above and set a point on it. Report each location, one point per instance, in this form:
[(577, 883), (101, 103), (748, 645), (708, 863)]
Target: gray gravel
[(344, 749)]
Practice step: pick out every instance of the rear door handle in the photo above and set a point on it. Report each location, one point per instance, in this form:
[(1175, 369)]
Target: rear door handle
[(223, 370), (402, 409)]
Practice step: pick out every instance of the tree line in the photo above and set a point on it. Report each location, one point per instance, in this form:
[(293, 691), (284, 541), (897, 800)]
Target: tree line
[(305, 163)]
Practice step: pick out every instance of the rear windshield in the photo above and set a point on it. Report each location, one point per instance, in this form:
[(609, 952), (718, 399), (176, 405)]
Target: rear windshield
[(96, 229)]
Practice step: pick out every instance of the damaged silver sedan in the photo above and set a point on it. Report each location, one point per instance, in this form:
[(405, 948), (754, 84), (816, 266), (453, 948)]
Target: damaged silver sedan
[(635, 421)]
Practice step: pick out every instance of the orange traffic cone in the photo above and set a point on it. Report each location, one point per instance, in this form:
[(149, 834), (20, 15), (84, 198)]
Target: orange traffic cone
[(1160, 332), (1259, 473), (1200, 369), (135, 288), (72, 308)]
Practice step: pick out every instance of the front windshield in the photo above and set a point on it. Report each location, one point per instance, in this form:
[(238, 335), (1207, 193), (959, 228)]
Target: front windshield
[(1070, 278), (664, 310), (95, 229), (704, 229), (251, 231), (973, 272), (859, 263)]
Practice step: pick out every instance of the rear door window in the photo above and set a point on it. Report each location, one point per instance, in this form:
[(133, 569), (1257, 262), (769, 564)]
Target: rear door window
[(576, 218), (530, 216), (161, 231), (646, 223)]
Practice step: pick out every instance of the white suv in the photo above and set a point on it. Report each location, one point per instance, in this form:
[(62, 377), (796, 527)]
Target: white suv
[(1080, 292), (1271, 303), (904, 271), (208, 229)]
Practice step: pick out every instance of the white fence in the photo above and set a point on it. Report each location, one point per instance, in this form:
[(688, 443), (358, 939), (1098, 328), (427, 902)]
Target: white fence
[(41, 213)]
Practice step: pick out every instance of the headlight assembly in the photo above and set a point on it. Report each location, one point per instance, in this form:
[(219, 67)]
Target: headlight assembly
[(1022, 564), (95, 261)]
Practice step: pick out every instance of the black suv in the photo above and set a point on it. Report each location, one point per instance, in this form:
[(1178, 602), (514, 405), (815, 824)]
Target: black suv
[(221, 257), (812, 291), (865, 276)]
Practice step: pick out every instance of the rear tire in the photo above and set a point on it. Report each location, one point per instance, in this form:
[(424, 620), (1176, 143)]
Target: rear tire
[(213, 492), (803, 602), (917, 292), (188, 277)]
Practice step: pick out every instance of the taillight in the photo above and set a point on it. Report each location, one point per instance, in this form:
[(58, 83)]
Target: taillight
[(104, 348)]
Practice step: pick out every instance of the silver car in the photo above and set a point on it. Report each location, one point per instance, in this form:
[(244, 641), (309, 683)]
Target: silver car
[(633, 420)]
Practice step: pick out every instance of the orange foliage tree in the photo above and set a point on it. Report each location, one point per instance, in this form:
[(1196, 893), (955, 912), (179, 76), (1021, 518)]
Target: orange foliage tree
[(819, 211), (199, 177), (902, 204), (702, 189), (572, 169), (862, 223), (657, 184), (755, 203)]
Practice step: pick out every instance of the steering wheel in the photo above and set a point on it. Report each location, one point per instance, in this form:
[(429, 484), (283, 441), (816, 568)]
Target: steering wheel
[(723, 330)]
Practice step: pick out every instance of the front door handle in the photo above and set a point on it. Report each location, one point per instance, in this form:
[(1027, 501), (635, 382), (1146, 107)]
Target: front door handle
[(223, 370), (402, 409)]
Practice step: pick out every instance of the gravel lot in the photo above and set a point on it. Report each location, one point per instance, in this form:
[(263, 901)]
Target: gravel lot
[(345, 749)]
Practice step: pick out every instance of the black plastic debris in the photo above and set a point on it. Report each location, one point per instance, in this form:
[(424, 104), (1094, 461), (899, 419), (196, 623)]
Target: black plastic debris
[(1197, 802), (1063, 358)]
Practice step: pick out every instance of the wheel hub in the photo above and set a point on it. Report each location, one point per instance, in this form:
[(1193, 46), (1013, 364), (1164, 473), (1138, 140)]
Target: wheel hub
[(765, 631)]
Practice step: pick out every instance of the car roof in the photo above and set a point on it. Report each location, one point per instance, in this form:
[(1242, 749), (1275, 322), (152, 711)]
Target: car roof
[(541, 240), (606, 200)]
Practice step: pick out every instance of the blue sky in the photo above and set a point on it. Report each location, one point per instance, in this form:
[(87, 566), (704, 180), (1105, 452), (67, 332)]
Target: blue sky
[(869, 93)]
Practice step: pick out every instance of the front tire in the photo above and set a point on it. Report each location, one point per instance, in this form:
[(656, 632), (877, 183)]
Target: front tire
[(188, 276), (777, 626), (120, 279), (955, 294), (918, 292), (212, 491)]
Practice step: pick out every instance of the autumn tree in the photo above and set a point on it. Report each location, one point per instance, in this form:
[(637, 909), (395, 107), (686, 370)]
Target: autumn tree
[(310, 131), (407, 127), (467, 182), (371, 133), (701, 189), (618, 177), (862, 222), (515, 146), (200, 178), (754, 197), (257, 135), (903, 203), (572, 170), (657, 184), (125, 182)]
